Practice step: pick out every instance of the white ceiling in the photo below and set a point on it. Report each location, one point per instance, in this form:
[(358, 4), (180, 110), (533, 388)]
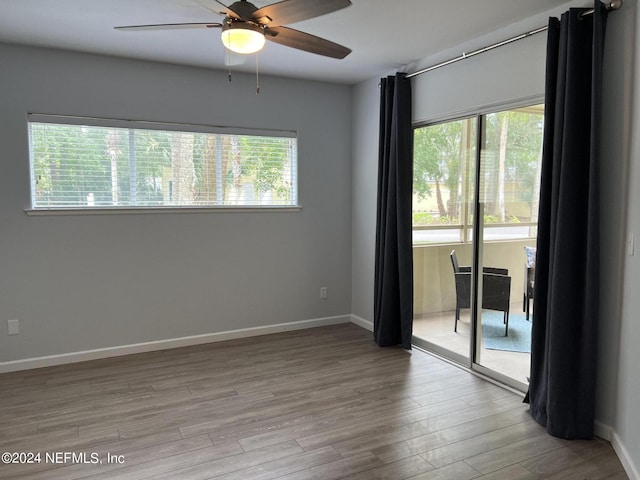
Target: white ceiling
[(383, 34)]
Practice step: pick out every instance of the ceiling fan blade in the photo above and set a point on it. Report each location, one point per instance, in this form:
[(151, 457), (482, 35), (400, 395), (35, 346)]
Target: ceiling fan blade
[(305, 41), (226, 10), (169, 26), (292, 11)]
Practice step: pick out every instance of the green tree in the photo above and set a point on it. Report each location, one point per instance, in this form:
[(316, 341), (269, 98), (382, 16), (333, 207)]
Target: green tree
[(78, 166), (513, 140), (438, 154), (264, 162)]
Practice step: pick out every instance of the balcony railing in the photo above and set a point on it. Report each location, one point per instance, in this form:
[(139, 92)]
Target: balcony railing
[(434, 284), (458, 233)]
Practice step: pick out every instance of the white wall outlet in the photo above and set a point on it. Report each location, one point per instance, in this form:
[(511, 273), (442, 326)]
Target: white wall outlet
[(13, 327), (323, 293)]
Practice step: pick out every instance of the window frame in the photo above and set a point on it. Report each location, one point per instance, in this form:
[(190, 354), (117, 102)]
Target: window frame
[(33, 210)]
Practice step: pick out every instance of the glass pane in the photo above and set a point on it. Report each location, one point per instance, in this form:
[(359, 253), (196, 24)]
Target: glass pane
[(511, 167), (443, 177), (508, 198), (443, 192)]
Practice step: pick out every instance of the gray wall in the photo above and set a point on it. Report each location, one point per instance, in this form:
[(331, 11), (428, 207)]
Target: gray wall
[(515, 73), (84, 282), (444, 93), (366, 114), (627, 413)]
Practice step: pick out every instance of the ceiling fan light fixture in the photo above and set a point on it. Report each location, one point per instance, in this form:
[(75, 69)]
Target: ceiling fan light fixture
[(242, 37)]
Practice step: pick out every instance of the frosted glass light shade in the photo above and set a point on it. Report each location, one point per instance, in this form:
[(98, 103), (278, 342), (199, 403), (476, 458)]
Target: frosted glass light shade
[(242, 38)]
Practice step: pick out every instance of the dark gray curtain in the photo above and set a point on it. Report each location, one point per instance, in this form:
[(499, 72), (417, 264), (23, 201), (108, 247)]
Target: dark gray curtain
[(564, 334), (393, 296)]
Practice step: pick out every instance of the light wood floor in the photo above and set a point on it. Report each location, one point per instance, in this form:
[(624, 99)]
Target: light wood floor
[(323, 404)]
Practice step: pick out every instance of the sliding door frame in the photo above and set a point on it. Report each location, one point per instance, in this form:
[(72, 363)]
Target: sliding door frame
[(471, 362)]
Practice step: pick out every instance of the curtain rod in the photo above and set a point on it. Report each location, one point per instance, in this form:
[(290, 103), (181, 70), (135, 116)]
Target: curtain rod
[(613, 5)]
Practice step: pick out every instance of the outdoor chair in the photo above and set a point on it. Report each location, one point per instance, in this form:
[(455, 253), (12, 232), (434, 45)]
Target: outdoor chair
[(529, 279), (496, 290)]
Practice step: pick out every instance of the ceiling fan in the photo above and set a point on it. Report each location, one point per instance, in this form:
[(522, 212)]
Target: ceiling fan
[(245, 27)]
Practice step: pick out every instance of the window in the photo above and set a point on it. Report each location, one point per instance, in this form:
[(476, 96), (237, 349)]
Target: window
[(444, 170), (79, 163)]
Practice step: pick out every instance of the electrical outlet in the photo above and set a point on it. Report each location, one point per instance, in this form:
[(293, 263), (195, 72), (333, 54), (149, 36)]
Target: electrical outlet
[(323, 293), (13, 327)]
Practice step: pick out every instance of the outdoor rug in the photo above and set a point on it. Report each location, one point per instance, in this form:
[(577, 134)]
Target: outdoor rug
[(519, 338)]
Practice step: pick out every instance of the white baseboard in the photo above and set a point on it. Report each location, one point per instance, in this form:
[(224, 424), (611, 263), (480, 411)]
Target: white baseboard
[(602, 430), (74, 357), (624, 457), (361, 322), (607, 433)]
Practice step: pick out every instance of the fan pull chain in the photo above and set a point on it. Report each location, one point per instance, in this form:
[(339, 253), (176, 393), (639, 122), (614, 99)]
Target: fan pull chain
[(228, 53), (257, 76)]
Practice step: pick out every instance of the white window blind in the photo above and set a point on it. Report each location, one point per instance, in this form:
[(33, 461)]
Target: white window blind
[(87, 163)]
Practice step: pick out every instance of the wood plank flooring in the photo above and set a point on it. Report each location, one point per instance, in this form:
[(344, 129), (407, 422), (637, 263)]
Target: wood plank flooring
[(323, 403)]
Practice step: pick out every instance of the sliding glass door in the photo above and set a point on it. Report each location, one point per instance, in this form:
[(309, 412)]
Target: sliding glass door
[(476, 189), (444, 189), (508, 192)]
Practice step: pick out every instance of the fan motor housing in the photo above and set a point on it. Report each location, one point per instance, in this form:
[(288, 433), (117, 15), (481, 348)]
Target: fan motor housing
[(231, 23), (243, 9)]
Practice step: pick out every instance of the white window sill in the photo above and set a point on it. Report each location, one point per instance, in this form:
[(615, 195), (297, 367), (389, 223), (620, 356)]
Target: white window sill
[(35, 212)]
